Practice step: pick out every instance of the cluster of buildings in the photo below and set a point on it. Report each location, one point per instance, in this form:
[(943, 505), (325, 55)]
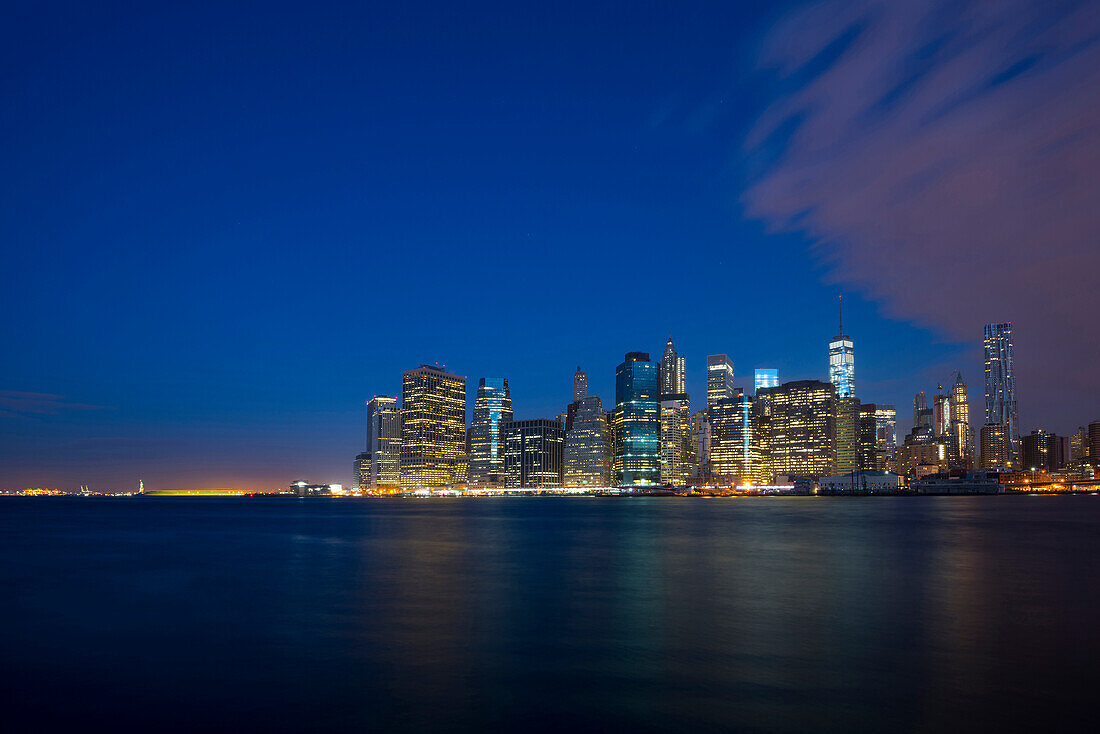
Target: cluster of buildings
[(650, 436)]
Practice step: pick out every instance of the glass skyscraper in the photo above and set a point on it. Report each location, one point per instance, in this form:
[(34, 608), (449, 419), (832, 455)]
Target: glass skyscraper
[(842, 362), (433, 428), (766, 378), (672, 371), (637, 417), (587, 447), (381, 467), (1000, 388), (962, 455), (492, 409), (580, 384), (533, 453), (803, 428)]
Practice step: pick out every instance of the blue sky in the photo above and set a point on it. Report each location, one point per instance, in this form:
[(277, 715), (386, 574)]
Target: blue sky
[(224, 228)]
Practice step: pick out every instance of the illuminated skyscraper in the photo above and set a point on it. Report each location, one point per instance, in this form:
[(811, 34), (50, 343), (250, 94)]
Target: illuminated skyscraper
[(586, 455), (1000, 387), (1079, 445), (492, 409), (735, 453), (675, 439), (433, 427), (994, 447), (886, 436), (766, 378), (842, 362), (941, 413), (719, 378), (672, 371), (361, 472), (383, 454), (580, 384), (700, 441), (802, 428), (962, 440), (637, 418), (533, 453)]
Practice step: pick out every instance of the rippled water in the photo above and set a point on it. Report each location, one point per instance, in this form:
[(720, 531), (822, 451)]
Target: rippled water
[(537, 614)]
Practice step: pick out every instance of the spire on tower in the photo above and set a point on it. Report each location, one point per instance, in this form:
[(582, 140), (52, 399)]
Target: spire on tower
[(840, 308)]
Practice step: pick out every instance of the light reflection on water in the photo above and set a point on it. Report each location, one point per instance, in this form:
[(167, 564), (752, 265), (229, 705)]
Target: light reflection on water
[(768, 614)]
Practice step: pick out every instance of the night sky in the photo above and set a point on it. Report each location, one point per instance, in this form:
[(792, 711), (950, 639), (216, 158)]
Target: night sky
[(224, 227)]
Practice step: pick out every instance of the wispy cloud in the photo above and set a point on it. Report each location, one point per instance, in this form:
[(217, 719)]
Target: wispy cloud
[(14, 403), (945, 159)]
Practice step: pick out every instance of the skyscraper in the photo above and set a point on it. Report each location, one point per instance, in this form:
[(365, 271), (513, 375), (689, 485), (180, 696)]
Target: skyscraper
[(672, 371), (637, 417), (962, 440), (1000, 387), (719, 378), (492, 409), (842, 362), (382, 467), (675, 439), (886, 436), (587, 446), (433, 427), (580, 384), (735, 447), (802, 428), (533, 453), (766, 378), (994, 447)]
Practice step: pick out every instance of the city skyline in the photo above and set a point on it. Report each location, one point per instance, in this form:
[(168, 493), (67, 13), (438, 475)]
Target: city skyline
[(189, 223)]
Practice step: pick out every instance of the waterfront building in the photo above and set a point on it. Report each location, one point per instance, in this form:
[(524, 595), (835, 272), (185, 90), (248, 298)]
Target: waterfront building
[(886, 436), (433, 427), (383, 451), (941, 414), (766, 377), (842, 362), (533, 453), (1000, 387), (802, 428), (1044, 451), (361, 470), (962, 439), (586, 454), (856, 435), (675, 439), (995, 447), (1079, 445), (861, 482), (700, 441), (1094, 443), (673, 376), (719, 378), (735, 453), (637, 422), (580, 384), (492, 409)]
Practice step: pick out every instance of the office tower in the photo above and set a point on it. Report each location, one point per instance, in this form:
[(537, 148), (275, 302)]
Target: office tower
[(675, 439), (533, 453), (961, 437), (802, 428), (433, 427), (842, 362), (1042, 451), (700, 440), (994, 447), (941, 413), (672, 371), (847, 435), (587, 446), (580, 384), (1094, 443), (361, 472), (867, 438), (886, 436), (719, 378), (1079, 445), (735, 455), (637, 422), (766, 378), (383, 444), (492, 409), (1000, 386)]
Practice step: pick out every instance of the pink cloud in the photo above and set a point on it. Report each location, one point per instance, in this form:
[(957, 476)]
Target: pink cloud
[(947, 164)]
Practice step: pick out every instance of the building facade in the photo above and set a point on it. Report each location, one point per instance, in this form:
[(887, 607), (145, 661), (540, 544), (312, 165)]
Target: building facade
[(580, 384), (719, 378), (637, 422), (383, 455), (962, 439), (492, 409), (1000, 387), (842, 363), (586, 455), (802, 428), (673, 377), (886, 436), (995, 448), (433, 428), (533, 453), (766, 377)]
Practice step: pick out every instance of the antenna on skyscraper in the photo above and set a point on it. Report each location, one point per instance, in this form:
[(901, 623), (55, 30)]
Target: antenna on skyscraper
[(840, 308)]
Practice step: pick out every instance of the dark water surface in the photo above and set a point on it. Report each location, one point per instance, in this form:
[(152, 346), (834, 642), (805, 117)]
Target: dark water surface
[(542, 614)]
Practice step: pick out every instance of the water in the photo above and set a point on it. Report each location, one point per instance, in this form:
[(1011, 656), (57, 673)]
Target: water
[(533, 614)]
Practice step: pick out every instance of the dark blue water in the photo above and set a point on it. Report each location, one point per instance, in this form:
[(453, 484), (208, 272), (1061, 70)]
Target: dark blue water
[(531, 614)]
